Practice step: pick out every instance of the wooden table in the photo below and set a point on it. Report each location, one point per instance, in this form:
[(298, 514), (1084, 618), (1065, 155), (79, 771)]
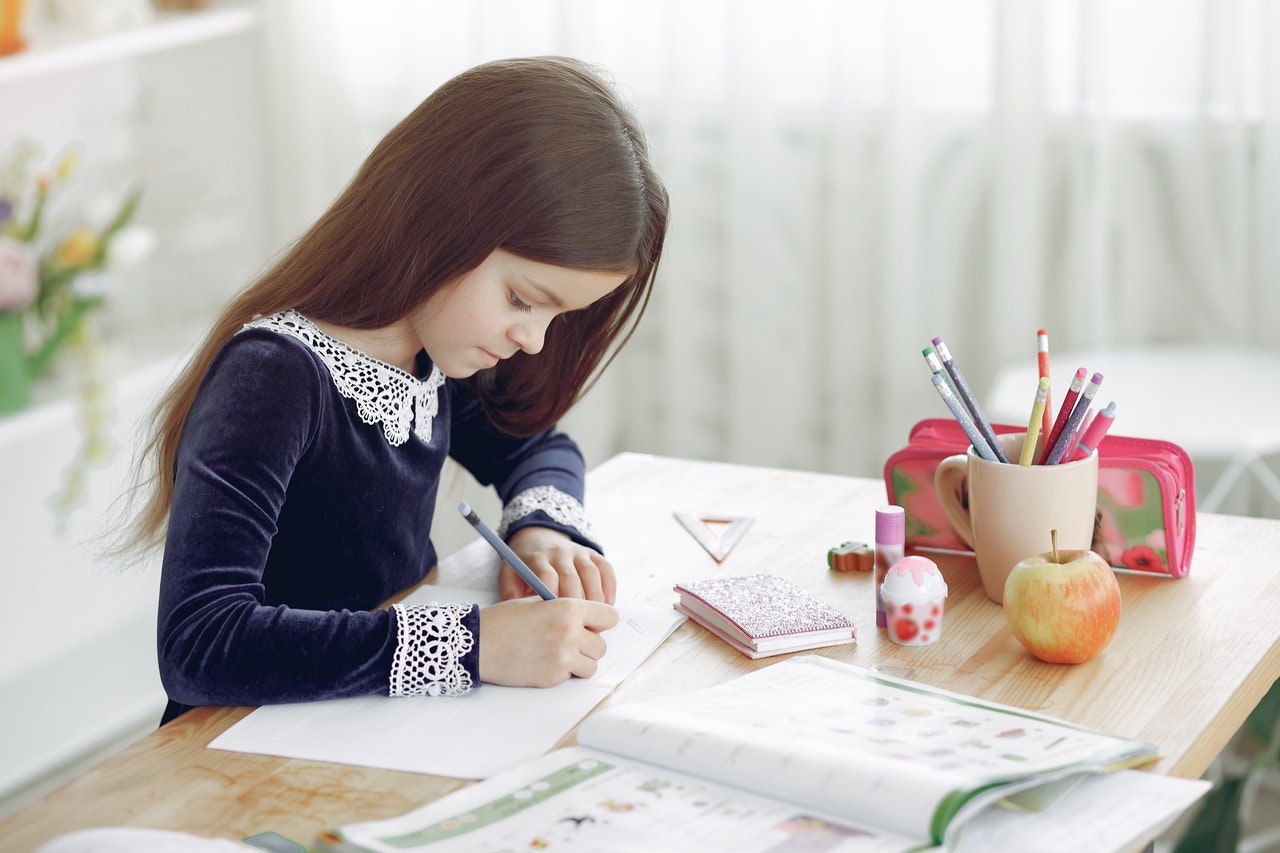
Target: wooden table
[(1190, 660)]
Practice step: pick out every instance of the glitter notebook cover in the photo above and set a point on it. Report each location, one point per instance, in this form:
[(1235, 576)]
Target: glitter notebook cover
[(763, 615)]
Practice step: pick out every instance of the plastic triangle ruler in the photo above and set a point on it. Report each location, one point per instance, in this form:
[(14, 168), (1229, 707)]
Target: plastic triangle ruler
[(720, 540)]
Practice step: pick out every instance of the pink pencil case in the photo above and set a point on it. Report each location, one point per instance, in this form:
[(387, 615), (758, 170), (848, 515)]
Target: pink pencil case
[(1146, 518)]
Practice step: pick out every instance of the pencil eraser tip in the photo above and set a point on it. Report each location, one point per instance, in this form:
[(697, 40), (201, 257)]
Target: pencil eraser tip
[(1044, 382), (464, 508), (937, 340), (1081, 373), (1097, 377)]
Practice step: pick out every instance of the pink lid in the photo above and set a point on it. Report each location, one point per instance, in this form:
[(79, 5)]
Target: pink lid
[(918, 567), (891, 524), (914, 578)]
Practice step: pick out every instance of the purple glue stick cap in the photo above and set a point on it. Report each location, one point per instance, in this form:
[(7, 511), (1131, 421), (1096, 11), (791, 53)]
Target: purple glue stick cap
[(891, 524)]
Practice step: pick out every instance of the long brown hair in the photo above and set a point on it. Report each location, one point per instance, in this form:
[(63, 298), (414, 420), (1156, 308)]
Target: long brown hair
[(538, 156)]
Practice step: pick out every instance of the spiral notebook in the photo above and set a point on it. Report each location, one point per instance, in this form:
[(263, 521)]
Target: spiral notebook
[(762, 615)]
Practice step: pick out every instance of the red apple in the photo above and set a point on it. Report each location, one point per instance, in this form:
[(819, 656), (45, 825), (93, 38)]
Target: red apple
[(1063, 606)]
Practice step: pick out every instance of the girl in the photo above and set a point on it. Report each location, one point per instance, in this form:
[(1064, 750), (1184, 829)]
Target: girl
[(490, 255)]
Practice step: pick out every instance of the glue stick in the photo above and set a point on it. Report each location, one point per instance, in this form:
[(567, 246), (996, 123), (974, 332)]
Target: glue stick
[(891, 542)]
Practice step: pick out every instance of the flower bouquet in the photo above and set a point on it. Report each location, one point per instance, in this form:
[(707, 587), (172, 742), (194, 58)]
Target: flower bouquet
[(52, 278)]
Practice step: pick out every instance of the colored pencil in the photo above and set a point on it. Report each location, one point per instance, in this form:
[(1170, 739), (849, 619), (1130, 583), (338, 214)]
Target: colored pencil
[(1064, 414), (1042, 358), (1077, 415), (1037, 413), (962, 388)]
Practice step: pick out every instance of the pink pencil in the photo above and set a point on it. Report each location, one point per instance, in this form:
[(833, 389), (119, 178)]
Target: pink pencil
[(1097, 430)]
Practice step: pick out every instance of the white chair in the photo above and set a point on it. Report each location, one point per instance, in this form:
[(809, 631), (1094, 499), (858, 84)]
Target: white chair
[(1220, 403)]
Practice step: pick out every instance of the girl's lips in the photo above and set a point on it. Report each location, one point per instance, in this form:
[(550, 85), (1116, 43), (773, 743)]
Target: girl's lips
[(489, 357)]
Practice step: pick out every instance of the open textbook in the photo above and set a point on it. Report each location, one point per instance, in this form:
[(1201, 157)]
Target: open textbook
[(807, 754)]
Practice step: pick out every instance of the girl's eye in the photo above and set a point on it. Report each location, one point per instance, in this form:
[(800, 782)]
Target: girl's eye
[(517, 302)]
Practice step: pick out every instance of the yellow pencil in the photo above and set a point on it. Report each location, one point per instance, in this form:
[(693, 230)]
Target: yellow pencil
[(1037, 409)]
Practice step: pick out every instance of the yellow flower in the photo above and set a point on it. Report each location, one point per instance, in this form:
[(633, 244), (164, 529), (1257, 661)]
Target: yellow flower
[(67, 165), (79, 249)]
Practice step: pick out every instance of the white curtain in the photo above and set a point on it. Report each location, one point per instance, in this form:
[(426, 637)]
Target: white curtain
[(850, 178)]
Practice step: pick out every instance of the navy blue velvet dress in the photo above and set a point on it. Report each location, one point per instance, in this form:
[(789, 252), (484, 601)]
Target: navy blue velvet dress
[(304, 490)]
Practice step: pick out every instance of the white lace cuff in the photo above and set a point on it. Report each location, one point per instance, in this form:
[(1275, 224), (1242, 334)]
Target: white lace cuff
[(561, 507), (431, 642)]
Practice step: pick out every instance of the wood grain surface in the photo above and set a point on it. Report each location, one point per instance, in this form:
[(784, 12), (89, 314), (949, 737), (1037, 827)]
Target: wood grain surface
[(1190, 660)]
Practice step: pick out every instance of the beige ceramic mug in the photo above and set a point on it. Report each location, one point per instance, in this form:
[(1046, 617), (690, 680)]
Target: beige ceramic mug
[(1011, 508)]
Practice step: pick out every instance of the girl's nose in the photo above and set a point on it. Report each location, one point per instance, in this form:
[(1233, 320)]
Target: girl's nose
[(529, 336)]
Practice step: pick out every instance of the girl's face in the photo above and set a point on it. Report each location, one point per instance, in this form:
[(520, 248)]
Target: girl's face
[(501, 307)]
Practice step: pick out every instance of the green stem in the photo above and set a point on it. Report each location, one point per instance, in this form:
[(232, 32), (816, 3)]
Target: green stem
[(33, 225), (122, 217), (66, 327)]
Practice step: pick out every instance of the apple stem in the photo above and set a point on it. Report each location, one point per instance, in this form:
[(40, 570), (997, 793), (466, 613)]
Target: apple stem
[(1053, 539)]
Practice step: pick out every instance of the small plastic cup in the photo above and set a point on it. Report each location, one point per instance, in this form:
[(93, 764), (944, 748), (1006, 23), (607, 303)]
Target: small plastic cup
[(914, 592)]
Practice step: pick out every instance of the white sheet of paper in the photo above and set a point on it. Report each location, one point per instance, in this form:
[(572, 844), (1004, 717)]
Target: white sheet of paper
[(471, 736)]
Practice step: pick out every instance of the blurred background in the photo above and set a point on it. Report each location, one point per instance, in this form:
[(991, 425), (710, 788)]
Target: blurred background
[(849, 179)]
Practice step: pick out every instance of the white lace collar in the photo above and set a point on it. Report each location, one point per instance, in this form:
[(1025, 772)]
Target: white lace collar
[(382, 393)]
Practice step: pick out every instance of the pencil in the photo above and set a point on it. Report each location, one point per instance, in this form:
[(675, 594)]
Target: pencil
[(962, 388), (953, 403), (1077, 415), (1037, 413), (1080, 431), (525, 573), (1064, 414), (935, 365), (1095, 433), (1042, 357), (980, 445)]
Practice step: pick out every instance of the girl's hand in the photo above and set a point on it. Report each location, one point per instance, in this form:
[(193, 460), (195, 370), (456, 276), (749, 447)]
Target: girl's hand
[(568, 569), (528, 642)]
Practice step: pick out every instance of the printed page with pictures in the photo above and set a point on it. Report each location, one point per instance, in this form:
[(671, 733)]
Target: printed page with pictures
[(585, 798), (855, 744), (582, 799)]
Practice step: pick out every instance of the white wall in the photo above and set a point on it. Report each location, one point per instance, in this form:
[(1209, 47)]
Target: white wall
[(78, 668), (179, 111)]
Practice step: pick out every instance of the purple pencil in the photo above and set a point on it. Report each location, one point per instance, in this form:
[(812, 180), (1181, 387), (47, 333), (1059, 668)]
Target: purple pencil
[(1077, 415), (966, 396)]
